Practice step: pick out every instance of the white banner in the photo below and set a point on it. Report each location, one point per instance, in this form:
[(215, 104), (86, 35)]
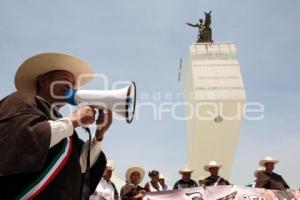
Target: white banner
[(231, 192)]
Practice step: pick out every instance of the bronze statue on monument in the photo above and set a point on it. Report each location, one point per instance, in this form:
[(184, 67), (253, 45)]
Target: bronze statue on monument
[(205, 33)]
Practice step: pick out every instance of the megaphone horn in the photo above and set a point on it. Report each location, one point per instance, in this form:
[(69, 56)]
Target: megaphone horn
[(121, 101)]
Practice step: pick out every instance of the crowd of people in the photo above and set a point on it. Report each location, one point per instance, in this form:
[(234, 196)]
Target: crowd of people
[(132, 190), (42, 156)]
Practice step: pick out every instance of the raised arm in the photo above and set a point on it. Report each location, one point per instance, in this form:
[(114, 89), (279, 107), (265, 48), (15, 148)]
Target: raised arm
[(192, 25)]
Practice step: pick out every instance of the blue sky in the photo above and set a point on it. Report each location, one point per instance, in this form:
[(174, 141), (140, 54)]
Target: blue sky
[(143, 41)]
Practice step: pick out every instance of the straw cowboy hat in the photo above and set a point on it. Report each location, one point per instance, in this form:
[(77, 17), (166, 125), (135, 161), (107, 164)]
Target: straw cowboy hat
[(110, 165), (30, 69), (211, 164), (139, 170), (161, 176), (267, 159), (185, 169)]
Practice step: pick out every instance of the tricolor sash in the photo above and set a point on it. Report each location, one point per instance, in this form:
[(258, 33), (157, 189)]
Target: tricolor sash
[(41, 182)]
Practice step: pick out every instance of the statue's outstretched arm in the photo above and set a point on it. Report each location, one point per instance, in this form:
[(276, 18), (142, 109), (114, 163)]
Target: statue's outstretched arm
[(192, 25)]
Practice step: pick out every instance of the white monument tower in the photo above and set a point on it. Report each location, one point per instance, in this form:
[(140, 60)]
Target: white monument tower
[(215, 97)]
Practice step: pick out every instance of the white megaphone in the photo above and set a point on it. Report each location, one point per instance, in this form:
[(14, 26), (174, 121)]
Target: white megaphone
[(121, 101)]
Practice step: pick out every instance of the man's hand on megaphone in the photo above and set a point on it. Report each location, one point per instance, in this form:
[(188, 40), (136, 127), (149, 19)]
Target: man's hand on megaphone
[(84, 116), (103, 122)]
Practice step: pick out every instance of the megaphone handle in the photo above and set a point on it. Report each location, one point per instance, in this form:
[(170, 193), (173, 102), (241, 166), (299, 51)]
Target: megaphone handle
[(103, 122)]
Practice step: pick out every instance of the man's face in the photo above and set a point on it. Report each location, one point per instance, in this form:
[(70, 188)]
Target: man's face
[(269, 166), (107, 174), (135, 178), (214, 171), (55, 84), (186, 176), (201, 182)]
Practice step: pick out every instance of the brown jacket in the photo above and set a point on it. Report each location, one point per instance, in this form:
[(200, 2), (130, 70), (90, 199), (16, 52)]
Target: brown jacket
[(25, 134), (25, 155)]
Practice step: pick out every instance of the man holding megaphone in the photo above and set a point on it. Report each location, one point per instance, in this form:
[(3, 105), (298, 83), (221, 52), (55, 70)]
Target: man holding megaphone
[(42, 156)]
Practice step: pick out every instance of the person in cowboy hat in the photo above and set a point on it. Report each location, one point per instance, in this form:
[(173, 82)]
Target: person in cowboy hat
[(267, 178), (201, 181), (255, 173), (106, 189), (162, 182), (185, 181), (214, 179), (132, 190), (42, 156)]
